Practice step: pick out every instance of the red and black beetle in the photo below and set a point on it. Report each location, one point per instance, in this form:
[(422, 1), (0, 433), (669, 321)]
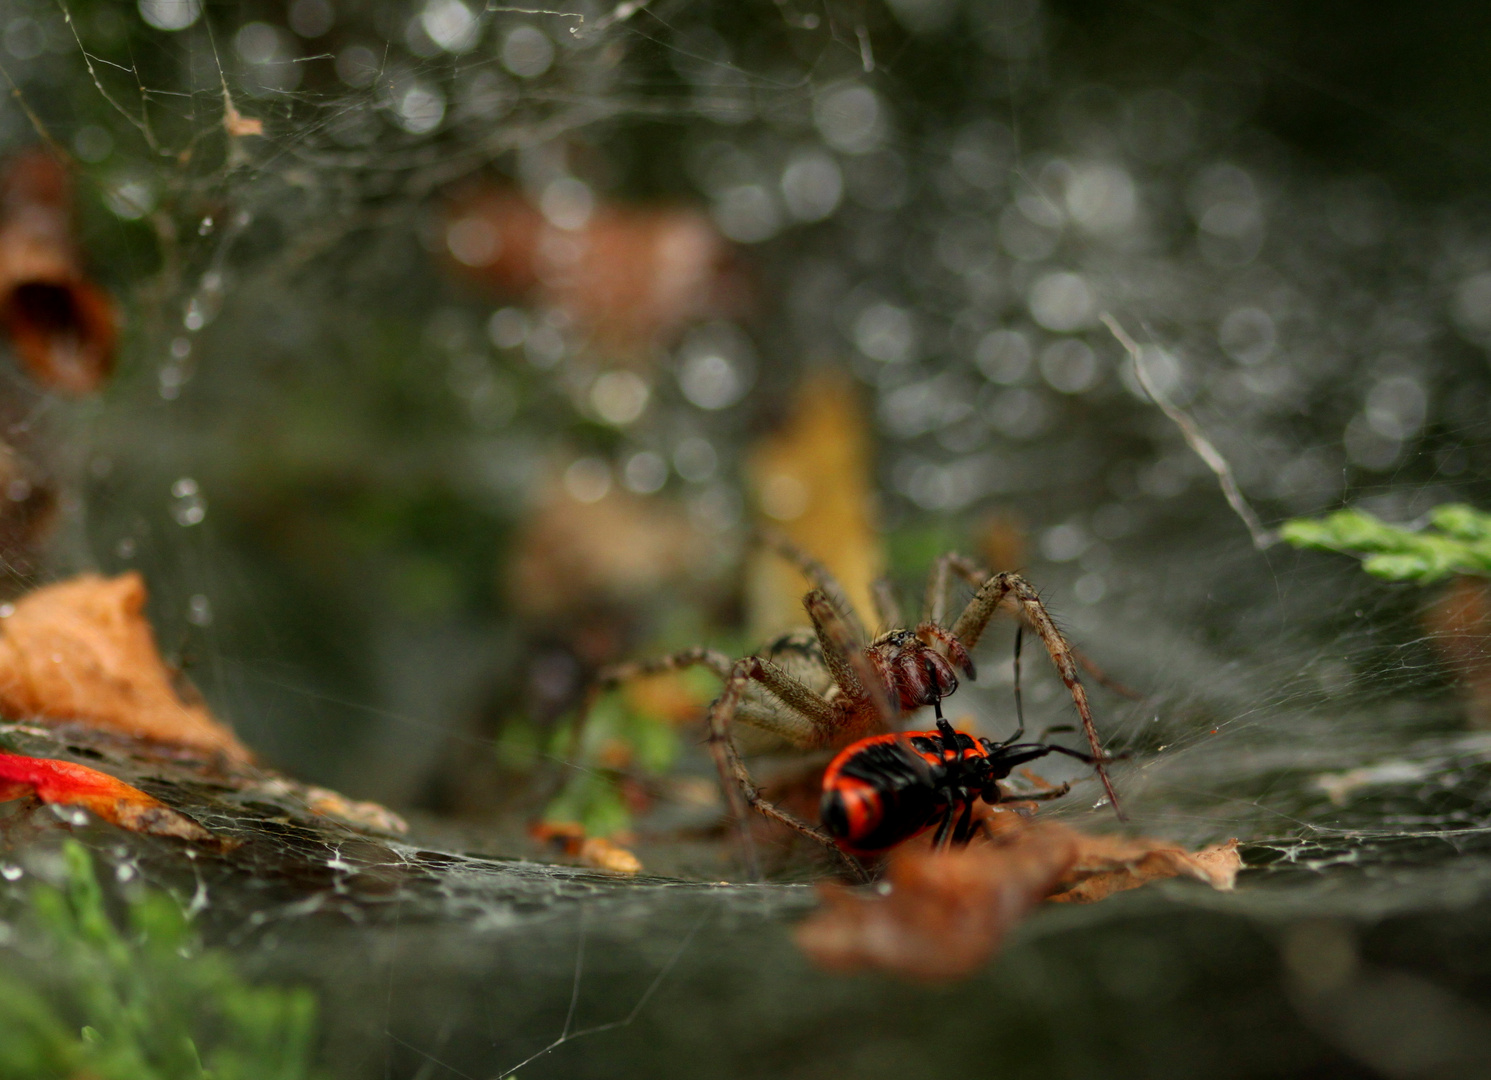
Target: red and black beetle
[(885, 789)]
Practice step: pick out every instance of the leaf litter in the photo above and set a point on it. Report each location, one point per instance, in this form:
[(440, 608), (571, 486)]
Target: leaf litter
[(940, 915)]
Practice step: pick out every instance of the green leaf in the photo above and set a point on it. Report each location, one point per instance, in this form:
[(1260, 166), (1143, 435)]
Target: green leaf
[(1457, 541), (86, 997)]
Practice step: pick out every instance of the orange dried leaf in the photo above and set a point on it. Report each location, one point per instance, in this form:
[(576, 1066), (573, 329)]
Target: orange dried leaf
[(569, 837), (369, 816), (68, 784), (599, 852), (81, 650)]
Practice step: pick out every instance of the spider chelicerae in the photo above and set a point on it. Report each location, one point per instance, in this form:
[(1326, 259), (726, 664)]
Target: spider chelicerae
[(828, 686)]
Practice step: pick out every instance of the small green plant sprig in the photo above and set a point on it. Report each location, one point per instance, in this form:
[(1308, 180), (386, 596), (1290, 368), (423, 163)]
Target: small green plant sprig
[(1456, 541), (80, 996)]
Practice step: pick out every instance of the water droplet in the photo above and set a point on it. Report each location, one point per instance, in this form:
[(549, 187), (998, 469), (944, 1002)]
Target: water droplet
[(11, 872)]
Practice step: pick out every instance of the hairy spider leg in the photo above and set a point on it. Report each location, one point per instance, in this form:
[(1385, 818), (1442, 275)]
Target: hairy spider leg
[(735, 778), (819, 575), (850, 668), (975, 618), (939, 583), (937, 595)]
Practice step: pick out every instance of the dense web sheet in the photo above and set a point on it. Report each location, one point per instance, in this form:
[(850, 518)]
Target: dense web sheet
[(922, 198)]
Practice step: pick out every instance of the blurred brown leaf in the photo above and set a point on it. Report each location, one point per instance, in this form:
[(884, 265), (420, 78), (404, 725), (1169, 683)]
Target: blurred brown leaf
[(630, 275), (948, 911), (64, 326), (82, 651), (573, 555), (812, 480)]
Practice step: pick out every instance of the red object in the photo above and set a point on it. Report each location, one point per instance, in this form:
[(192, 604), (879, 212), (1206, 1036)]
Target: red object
[(70, 784), (885, 789)]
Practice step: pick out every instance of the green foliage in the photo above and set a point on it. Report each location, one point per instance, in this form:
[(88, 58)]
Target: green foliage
[(592, 796), (87, 998), (1458, 542)]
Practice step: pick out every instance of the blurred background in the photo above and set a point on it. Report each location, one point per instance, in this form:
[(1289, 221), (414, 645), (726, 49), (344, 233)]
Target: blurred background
[(460, 347)]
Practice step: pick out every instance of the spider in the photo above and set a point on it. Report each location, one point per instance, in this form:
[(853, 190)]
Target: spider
[(886, 789), (831, 686)]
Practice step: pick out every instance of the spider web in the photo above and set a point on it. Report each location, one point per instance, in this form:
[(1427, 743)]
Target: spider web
[(265, 200)]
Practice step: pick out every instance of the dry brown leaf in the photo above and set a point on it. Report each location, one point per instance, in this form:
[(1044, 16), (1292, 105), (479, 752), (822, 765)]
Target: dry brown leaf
[(569, 837), (812, 481), (1106, 865), (81, 650), (629, 275), (946, 912), (68, 784), (64, 326), (573, 555), (369, 816)]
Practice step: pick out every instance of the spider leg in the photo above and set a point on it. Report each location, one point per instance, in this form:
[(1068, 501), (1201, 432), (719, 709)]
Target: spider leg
[(697, 656), (934, 609), (844, 653), (735, 779), (976, 575), (822, 579), (887, 606), (975, 617), (616, 674)]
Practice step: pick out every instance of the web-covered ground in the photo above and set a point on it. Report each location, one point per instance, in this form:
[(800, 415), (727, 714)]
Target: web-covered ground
[(927, 197)]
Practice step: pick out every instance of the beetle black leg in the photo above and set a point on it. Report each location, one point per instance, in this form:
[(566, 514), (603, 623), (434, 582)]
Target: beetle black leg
[(964, 832), (939, 841)]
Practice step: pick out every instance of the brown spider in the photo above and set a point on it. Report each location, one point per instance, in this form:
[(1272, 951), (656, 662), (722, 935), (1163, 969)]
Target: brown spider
[(827, 687)]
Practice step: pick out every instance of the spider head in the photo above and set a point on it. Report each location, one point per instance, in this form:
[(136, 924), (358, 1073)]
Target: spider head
[(915, 674)]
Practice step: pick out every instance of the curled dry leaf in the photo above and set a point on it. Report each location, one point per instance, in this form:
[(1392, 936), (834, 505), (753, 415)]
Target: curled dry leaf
[(1109, 864), (946, 912), (82, 651), (597, 851), (63, 325), (629, 275), (68, 784)]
